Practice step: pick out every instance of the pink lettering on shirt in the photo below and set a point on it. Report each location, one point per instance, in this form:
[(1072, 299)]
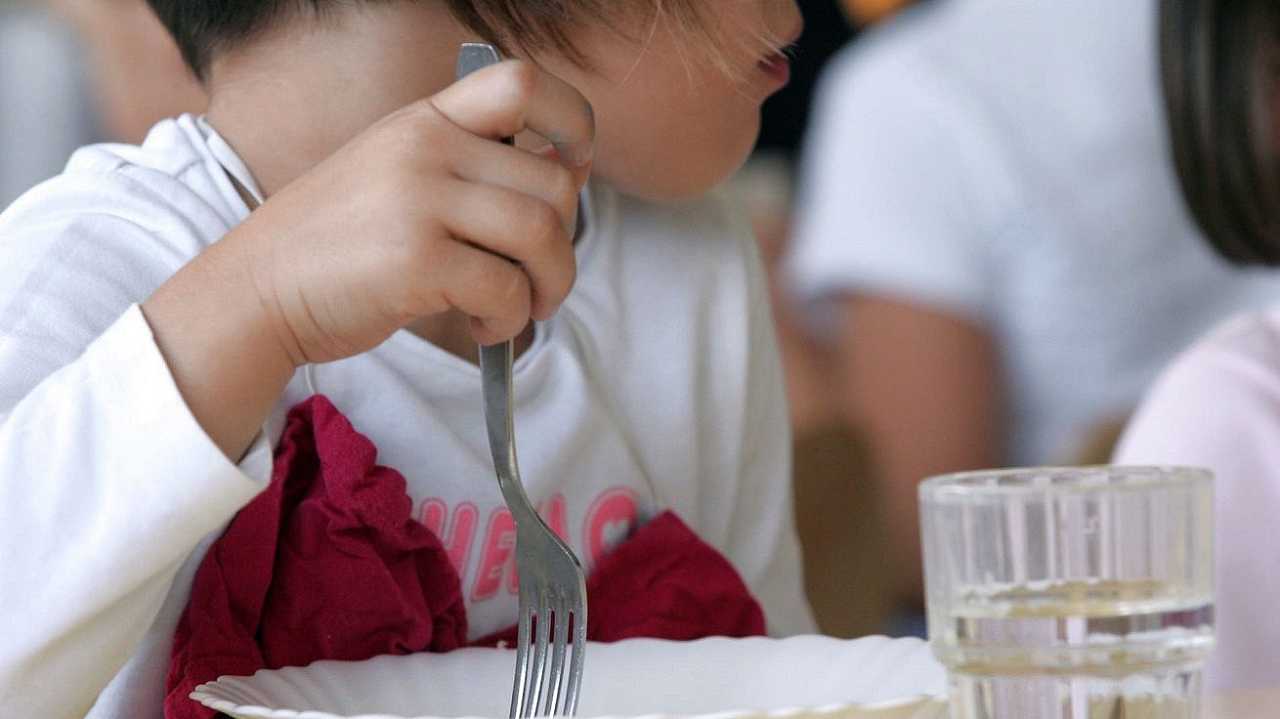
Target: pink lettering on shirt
[(496, 554), (461, 531), (609, 521)]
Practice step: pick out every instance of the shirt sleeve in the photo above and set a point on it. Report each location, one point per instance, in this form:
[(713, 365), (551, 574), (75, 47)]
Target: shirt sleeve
[(107, 482), (903, 188), (763, 543), (1218, 407)]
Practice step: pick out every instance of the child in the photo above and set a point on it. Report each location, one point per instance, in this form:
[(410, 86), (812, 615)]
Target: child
[(1218, 406), (153, 332)]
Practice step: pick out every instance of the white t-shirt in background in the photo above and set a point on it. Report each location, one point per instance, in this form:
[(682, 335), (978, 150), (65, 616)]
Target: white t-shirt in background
[(656, 386), (1218, 407), (1005, 161), (46, 108)]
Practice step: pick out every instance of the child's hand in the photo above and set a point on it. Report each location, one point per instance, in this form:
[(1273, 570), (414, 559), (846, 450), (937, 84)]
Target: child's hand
[(426, 212)]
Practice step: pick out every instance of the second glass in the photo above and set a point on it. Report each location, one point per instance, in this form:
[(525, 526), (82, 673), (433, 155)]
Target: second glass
[(1070, 593)]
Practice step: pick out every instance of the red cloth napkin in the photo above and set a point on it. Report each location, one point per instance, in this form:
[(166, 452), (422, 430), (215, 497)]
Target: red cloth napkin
[(329, 563)]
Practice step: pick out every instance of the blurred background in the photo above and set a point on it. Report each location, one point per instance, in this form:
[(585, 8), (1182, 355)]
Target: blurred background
[(978, 252)]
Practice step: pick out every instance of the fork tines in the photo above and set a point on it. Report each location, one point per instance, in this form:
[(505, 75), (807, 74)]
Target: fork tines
[(546, 619)]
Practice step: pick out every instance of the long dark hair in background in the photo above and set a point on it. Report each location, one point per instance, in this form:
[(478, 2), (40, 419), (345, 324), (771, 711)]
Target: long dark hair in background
[(1221, 61)]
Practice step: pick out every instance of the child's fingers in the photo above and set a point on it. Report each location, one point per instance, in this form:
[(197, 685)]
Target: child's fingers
[(490, 289), (491, 163), (505, 99), (519, 227)]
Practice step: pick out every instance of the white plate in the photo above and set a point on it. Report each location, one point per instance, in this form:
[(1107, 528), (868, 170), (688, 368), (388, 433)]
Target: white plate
[(795, 678)]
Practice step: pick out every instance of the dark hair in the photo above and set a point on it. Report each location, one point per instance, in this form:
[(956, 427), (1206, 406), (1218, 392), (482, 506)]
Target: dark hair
[(1220, 62), (202, 28)]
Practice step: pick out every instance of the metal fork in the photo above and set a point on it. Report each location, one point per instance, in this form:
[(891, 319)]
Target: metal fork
[(553, 591)]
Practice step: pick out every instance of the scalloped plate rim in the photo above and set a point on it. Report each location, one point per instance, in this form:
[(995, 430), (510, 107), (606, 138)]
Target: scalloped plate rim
[(202, 694), (208, 695)]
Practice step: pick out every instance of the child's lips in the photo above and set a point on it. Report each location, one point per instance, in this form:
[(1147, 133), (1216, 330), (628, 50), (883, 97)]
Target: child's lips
[(777, 67)]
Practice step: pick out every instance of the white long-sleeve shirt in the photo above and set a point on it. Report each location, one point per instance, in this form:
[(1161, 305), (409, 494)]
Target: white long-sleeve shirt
[(656, 386)]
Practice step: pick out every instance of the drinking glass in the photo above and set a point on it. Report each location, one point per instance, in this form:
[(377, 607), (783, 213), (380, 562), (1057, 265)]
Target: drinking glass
[(1070, 593)]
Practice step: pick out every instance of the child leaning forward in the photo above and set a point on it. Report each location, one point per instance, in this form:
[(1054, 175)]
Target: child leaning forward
[(154, 331)]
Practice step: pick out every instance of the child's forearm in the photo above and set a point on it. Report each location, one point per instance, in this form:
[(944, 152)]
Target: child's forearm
[(107, 484), (216, 336)]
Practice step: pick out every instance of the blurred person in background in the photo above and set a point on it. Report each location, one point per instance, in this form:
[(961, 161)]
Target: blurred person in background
[(1218, 406), (45, 113), (137, 74), (74, 72), (991, 242)]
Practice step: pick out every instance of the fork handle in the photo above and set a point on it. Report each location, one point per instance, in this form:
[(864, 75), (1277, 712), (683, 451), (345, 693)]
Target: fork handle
[(496, 360), (495, 372)]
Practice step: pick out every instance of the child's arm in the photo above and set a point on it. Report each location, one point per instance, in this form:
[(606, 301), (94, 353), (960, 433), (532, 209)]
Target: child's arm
[(106, 486), (108, 482)]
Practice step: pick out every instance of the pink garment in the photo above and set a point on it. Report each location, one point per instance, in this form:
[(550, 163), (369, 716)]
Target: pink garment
[(1218, 407)]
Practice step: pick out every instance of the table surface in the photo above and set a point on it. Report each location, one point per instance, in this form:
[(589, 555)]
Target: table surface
[(1260, 704)]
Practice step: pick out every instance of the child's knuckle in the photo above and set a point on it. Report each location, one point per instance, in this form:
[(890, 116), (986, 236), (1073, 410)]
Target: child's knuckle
[(564, 187), (563, 282), (514, 292), (428, 121), (419, 253), (416, 110), (519, 82), (545, 226), (405, 293)]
